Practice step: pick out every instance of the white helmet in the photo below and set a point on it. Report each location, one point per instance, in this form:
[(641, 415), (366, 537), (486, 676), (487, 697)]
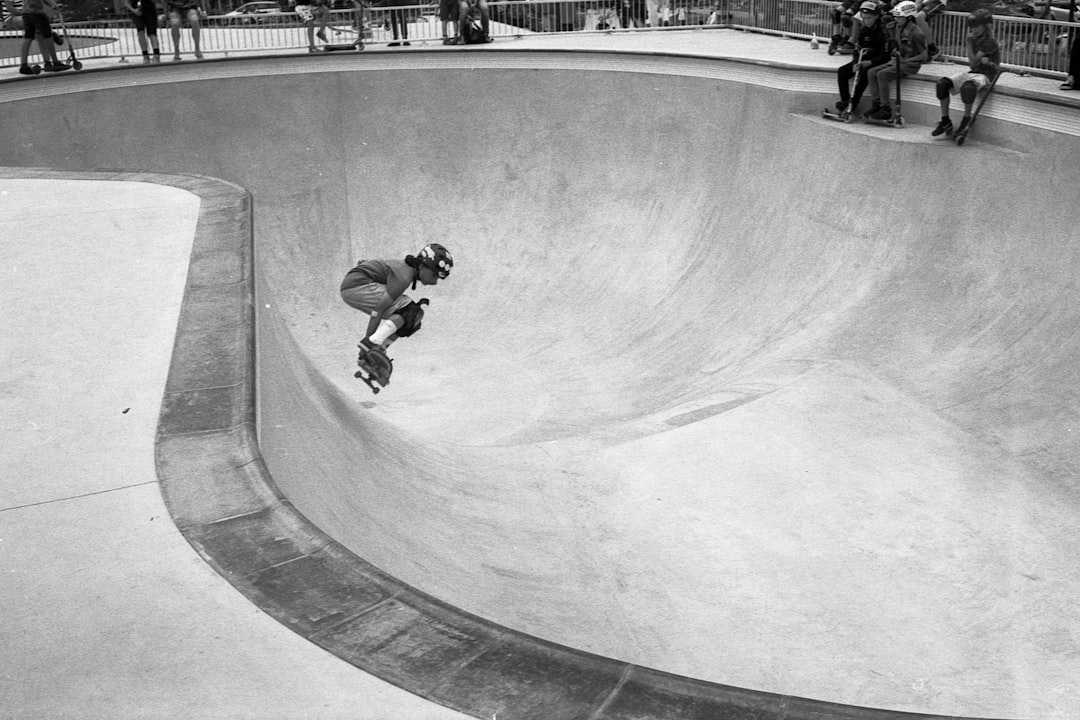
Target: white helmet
[(905, 9)]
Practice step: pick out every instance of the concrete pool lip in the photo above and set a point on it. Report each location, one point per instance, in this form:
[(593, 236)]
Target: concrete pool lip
[(211, 410)]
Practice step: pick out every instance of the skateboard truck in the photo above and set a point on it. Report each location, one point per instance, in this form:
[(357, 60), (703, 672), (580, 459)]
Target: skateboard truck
[(375, 368)]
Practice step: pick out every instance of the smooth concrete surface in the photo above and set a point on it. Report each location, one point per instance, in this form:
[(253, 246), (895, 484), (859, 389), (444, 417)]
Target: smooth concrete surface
[(107, 611), (753, 417)]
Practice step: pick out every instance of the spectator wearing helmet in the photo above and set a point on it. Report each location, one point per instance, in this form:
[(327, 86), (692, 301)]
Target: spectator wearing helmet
[(984, 60), (377, 289), (873, 45), (910, 48)]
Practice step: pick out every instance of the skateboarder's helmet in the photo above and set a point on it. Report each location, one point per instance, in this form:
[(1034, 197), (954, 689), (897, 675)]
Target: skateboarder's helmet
[(982, 16), (905, 9), (437, 259)]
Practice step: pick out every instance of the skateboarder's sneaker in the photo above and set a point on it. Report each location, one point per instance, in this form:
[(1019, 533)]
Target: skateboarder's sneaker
[(321, 35), (944, 127), (964, 122), (841, 106), (55, 67), (27, 70)]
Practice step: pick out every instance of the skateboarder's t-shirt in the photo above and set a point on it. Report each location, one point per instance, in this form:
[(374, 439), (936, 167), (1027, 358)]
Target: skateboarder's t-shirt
[(394, 274)]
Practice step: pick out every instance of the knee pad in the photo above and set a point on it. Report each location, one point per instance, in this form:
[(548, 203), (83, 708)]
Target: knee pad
[(411, 316), (968, 92), (944, 85)]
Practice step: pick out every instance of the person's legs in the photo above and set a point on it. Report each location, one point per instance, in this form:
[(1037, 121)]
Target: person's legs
[(874, 85), (174, 31), (196, 31), (843, 81), (463, 19)]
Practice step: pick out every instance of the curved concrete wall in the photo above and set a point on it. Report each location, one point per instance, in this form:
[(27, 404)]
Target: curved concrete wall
[(693, 341)]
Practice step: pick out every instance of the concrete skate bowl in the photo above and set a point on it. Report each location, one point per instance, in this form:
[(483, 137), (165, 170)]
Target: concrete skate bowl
[(704, 405)]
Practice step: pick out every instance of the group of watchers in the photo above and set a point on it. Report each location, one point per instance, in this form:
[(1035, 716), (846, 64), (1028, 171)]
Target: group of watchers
[(469, 19), (889, 41), (37, 25)]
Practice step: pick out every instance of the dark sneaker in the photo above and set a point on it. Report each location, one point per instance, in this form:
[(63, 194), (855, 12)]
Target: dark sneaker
[(841, 106), (56, 67), (27, 70), (944, 127), (883, 113), (321, 35)]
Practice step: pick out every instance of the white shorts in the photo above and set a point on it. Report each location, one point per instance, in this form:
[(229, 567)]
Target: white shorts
[(979, 79)]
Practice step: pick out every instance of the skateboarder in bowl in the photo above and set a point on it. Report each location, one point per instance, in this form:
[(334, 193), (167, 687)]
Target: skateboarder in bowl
[(377, 289)]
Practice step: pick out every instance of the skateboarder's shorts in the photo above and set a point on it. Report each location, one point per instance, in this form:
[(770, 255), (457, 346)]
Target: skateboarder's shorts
[(979, 79), (366, 298), (305, 13), (448, 10), (36, 24)]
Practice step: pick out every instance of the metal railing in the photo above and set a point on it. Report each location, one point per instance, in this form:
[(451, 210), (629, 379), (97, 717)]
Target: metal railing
[(1029, 45)]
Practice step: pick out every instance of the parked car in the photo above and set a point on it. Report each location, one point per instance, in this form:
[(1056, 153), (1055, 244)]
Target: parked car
[(253, 12)]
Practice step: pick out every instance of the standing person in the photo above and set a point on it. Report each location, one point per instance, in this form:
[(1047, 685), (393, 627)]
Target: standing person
[(144, 16), (399, 21), (873, 45), (1073, 81), (36, 24), (984, 61), (910, 48), (180, 10), (311, 12), (448, 13)]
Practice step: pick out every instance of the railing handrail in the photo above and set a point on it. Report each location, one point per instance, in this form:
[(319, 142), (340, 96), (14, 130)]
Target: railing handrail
[(1032, 45)]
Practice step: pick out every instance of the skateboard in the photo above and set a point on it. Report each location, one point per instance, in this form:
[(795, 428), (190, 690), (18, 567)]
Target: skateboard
[(375, 368), (357, 46)]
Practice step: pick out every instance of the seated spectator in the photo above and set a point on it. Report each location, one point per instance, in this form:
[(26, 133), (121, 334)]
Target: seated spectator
[(984, 60), (179, 11), (312, 12), (926, 10), (474, 23), (844, 31), (873, 46), (910, 49)]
